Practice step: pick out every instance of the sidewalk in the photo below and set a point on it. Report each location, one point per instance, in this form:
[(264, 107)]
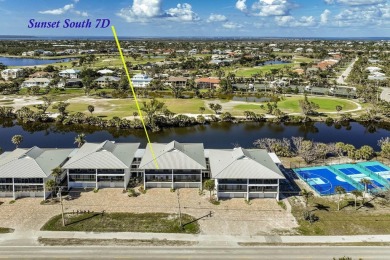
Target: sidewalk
[(30, 238)]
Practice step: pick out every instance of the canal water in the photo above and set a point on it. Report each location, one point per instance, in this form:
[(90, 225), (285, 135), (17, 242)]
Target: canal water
[(216, 135), (29, 61)]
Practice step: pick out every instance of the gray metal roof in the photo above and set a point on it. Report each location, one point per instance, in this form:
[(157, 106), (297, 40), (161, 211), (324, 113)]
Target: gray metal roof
[(106, 155), (31, 163), (240, 163), (174, 155)]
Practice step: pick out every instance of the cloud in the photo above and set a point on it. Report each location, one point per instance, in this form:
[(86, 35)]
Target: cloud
[(65, 9), (241, 5), (217, 18), (231, 25), (290, 21), (85, 14), (324, 17), (141, 10), (58, 11), (76, 1), (145, 10), (272, 7), (363, 16), (182, 12), (356, 2)]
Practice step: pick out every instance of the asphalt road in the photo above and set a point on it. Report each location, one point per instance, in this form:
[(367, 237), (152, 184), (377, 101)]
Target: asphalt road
[(267, 252)]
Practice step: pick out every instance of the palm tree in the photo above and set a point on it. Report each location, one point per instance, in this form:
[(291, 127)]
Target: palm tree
[(80, 140), (56, 172), (356, 193), (365, 182), (135, 113), (50, 186), (91, 109), (306, 195), (201, 110), (340, 191), (209, 185), (17, 140)]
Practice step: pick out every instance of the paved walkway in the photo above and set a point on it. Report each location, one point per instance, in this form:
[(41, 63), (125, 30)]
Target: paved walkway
[(341, 80), (30, 238)]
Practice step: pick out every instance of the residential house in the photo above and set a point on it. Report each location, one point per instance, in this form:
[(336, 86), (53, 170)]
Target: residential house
[(69, 73), (40, 82), (192, 52), (207, 82), (105, 81), (177, 81), (8, 74), (141, 80), (24, 172), (173, 165), (244, 173), (41, 74), (101, 165)]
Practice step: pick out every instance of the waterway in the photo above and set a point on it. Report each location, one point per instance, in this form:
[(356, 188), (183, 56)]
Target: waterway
[(29, 61), (216, 135)]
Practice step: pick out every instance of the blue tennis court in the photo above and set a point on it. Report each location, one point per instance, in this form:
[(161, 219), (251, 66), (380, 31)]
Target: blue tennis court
[(323, 180), (358, 174), (378, 168)]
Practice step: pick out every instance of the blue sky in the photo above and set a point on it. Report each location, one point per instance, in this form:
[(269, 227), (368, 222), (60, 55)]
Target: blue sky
[(203, 18)]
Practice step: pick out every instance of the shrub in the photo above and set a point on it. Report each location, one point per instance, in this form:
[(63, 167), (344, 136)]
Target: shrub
[(12, 201), (142, 189), (214, 201), (172, 190), (95, 190), (132, 193), (282, 205)]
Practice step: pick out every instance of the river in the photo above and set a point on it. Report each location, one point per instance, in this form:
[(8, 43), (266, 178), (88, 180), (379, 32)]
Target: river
[(216, 135)]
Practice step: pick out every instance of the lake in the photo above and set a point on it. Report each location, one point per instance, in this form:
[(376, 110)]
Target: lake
[(272, 62), (216, 135), (29, 61)]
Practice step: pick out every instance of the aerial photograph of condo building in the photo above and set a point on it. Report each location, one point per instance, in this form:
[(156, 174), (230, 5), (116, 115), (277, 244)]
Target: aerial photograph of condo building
[(167, 129)]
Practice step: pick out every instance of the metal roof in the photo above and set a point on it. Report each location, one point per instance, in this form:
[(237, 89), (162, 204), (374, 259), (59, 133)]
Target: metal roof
[(106, 155), (174, 155), (31, 163), (240, 163)]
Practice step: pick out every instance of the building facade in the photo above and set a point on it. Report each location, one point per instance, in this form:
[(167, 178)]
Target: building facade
[(241, 173), (24, 172), (101, 165)]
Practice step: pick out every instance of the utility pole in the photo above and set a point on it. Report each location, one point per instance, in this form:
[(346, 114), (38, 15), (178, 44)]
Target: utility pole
[(178, 202), (62, 205)]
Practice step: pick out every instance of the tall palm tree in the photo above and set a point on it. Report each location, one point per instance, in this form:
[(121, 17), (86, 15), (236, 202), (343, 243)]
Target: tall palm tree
[(50, 186), (306, 195), (56, 173), (340, 191), (80, 140), (365, 182), (17, 140), (356, 194)]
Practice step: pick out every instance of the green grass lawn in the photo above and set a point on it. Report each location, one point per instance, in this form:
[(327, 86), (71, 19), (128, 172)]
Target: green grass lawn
[(291, 105), (248, 72), (348, 221), (124, 222)]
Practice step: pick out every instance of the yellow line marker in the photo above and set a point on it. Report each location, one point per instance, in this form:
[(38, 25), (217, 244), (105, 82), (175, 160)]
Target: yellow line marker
[(134, 95)]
